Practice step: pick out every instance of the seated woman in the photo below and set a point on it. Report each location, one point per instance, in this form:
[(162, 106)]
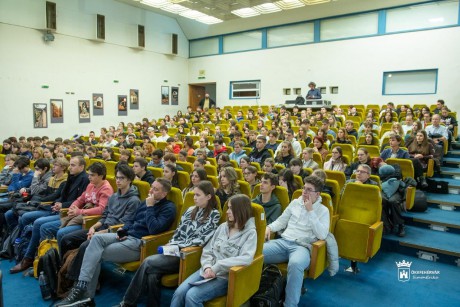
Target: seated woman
[(342, 137), (221, 160), (250, 176), (295, 165), (196, 227), (286, 179), (233, 244), (363, 158), (337, 161), (370, 139), (269, 166), (285, 154), (307, 159), (244, 162), (170, 174), (396, 128), (228, 184), (198, 175), (303, 136), (322, 133), (318, 146), (421, 149)]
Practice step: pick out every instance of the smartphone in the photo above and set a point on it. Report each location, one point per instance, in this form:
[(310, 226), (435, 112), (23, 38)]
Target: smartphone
[(122, 233)]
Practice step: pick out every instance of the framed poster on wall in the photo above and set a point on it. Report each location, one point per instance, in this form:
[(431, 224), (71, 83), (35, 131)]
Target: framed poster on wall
[(122, 105), (174, 95), (134, 99), (57, 111), (98, 104), (40, 115), (83, 111), (165, 95)]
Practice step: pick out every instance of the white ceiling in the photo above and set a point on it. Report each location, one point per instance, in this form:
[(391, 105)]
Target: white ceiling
[(221, 8)]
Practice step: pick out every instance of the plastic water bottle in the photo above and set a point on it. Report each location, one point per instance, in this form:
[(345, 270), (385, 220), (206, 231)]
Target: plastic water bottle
[(169, 250), (44, 286)]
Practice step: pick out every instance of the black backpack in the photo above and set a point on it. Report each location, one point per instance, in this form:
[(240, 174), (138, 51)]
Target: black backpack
[(271, 288), (21, 244), (8, 243), (50, 264)]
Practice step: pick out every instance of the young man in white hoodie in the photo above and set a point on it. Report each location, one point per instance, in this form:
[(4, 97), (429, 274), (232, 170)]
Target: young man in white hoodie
[(304, 221)]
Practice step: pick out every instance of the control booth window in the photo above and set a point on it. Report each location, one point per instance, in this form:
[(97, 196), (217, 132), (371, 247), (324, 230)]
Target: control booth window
[(245, 89), (414, 82)]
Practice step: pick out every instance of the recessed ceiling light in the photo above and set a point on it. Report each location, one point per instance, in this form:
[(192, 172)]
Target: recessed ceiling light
[(192, 14), (174, 8), (267, 8), (289, 4), (246, 12), (313, 2), (209, 20), (155, 3)]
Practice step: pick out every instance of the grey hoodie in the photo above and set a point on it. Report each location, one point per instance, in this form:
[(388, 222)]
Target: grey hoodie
[(121, 208), (40, 183), (272, 207), (221, 253)]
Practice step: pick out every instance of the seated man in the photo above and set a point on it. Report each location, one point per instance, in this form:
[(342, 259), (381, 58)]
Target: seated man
[(363, 175), (260, 153), (76, 184), (120, 209), (154, 215), (267, 198), (304, 221), (157, 159), (141, 171), (22, 175)]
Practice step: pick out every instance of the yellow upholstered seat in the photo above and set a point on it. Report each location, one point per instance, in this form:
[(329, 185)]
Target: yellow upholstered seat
[(359, 229), (280, 192), (337, 176), (143, 187), (210, 170), (245, 188), (184, 179), (187, 166), (407, 168)]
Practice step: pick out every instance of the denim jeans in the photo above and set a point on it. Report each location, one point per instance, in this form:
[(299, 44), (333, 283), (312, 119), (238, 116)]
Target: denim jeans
[(298, 258), (194, 296), (36, 232), (11, 219)]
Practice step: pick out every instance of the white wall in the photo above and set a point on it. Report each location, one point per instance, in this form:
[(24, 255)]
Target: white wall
[(356, 66), (73, 63)]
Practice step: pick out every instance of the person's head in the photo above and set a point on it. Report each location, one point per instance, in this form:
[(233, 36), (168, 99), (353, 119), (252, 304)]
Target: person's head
[(7, 144), (201, 153), (439, 104), (238, 146), (77, 165), (272, 136), (320, 174), (239, 211), (250, 174), (37, 153), (312, 188), (10, 159), (318, 142), (170, 158), (204, 198), (107, 153), (397, 128), (337, 153), (244, 162), (444, 111), (22, 164), (269, 164), (125, 176), (260, 142), (125, 155), (169, 172), (363, 155), (42, 165), (227, 177), (295, 165), (139, 166), (163, 130), (198, 175), (421, 137), (96, 173), (325, 124), (182, 156), (286, 177), (286, 149), (312, 85), (289, 135), (218, 143), (307, 154), (160, 188), (199, 163), (91, 152), (363, 172), (47, 153), (349, 125), (369, 138), (427, 117), (435, 120), (395, 140), (416, 126), (222, 158), (268, 183), (342, 134)]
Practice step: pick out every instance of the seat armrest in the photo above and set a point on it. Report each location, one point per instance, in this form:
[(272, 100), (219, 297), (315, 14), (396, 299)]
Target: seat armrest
[(374, 238), (189, 262), (90, 220), (151, 243), (318, 260), (63, 212), (243, 282), (410, 197), (114, 228)]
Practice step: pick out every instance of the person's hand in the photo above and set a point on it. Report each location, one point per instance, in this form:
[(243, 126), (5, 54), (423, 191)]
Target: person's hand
[(418, 156), (73, 211), (91, 232), (22, 190), (37, 173), (308, 202), (267, 233), (15, 170), (56, 207), (150, 200), (208, 273)]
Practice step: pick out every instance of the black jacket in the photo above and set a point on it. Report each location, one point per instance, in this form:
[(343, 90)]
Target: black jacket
[(74, 187), (148, 177)]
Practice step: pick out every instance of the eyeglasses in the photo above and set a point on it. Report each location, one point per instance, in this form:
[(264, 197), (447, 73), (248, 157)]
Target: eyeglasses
[(358, 171), (121, 178), (247, 173), (308, 190)]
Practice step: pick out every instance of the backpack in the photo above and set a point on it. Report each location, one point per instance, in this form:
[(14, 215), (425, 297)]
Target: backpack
[(271, 288), (420, 202), (21, 243), (50, 264), (44, 246), (65, 284), (8, 244)]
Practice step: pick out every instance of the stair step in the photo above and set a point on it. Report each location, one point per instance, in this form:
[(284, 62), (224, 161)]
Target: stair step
[(429, 240), (453, 153), (452, 171), (450, 219), (451, 160), (453, 183), (443, 199)]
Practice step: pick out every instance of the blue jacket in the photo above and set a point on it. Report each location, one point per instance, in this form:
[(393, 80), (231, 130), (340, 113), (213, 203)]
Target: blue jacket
[(151, 220), (20, 180), (400, 154)]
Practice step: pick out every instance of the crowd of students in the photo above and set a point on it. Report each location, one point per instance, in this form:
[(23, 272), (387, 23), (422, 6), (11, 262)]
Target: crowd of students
[(271, 148)]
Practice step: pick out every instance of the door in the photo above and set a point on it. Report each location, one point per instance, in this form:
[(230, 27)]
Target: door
[(196, 93)]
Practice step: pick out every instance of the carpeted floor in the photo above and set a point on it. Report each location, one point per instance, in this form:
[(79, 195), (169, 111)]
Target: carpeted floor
[(376, 285)]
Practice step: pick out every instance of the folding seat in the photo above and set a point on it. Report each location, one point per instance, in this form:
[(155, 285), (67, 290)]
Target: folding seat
[(280, 192), (337, 176)]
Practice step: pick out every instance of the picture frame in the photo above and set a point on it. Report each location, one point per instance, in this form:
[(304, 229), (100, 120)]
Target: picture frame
[(122, 105), (84, 115), (134, 99), (165, 95), (56, 111), (98, 104), (40, 115), (174, 95)]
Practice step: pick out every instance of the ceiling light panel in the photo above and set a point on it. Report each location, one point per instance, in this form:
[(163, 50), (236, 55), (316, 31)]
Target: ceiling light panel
[(156, 3), (246, 12), (209, 20), (192, 14), (267, 8), (174, 8), (289, 4), (313, 2)]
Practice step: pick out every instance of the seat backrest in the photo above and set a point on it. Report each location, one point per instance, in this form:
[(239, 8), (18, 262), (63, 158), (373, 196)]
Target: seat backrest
[(372, 177), (156, 171), (112, 181), (373, 150), (337, 176), (214, 181), (361, 203), (143, 187), (347, 149), (191, 159), (245, 188), (326, 201), (407, 168), (189, 202), (280, 192), (184, 179), (210, 169), (110, 165), (334, 185), (298, 180), (175, 196), (187, 166)]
